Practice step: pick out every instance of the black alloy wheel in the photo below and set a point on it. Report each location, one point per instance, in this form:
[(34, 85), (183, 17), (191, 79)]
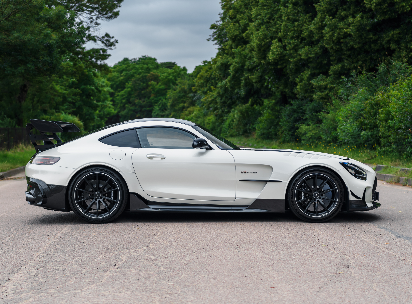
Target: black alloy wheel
[(316, 195), (98, 195)]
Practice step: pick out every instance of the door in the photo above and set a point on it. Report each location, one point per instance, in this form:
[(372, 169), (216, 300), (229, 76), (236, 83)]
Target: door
[(170, 170)]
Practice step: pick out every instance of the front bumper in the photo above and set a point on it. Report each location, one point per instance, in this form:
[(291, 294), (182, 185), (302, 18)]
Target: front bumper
[(361, 205), (44, 195)]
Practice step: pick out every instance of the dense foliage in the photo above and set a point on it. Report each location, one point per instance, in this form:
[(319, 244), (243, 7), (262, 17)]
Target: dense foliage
[(45, 69), (140, 87)]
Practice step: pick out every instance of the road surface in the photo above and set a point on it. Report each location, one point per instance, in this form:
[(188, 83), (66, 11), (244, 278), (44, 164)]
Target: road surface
[(54, 257)]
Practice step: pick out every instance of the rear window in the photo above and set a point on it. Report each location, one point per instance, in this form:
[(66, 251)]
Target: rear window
[(127, 138)]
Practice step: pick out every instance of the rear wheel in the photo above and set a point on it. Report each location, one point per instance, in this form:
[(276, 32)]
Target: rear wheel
[(98, 195), (316, 195)]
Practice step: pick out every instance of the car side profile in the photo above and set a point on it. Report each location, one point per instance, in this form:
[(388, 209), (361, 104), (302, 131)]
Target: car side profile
[(166, 164)]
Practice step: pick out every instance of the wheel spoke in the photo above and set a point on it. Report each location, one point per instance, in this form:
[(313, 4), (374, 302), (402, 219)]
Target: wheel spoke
[(328, 190), (97, 206), (321, 202), (307, 207), (88, 182), (110, 190), (323, 183), (315, 181), (306, 182), (82, 200), (301, 200), (304, 191), (109, 199), (88, 208), (105, 183), (316, 207), (84, 190), (97, 180), (105, 206)]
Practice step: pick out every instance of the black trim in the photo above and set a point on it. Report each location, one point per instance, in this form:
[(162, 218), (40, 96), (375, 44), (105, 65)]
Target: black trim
[(201, 143), (136, 203), (45, 127), (168, 204), (196, 208), (375, 195), (354, 195), (45, 195), (117, 132), (261, 180), (271, 205), (359, 205)]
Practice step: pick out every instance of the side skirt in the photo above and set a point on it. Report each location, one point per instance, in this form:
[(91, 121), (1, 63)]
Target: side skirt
[(137, 203)]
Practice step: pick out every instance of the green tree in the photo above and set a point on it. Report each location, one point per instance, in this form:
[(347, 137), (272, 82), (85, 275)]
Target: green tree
[(290, 50), (38, 36), (33, 41), (140, 87)]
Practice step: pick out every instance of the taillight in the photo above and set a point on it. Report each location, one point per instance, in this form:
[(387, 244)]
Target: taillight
[(45, 160)]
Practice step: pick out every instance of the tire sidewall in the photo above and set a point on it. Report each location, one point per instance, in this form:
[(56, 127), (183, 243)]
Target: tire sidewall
[(115, 213)]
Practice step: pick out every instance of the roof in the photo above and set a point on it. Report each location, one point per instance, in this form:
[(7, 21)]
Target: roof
[(185, 122)]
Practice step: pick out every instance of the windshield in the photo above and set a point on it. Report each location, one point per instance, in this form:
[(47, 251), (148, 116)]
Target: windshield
[(222, 143)]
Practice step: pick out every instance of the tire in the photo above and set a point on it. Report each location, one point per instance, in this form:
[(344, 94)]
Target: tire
[(98, 195), (316, 195)]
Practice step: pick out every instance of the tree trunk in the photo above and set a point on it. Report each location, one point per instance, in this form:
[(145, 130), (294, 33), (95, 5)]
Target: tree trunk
[(24, 89)]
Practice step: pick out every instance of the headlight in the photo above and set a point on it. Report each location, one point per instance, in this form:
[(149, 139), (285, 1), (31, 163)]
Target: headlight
[(356, 171), (45, 160)]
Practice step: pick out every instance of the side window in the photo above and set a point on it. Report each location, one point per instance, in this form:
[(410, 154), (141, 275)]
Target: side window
[(126, 138), (165, 138)]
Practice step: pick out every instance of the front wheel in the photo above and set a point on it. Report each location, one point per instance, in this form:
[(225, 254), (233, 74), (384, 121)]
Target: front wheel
[(98, 195), (316, 195)]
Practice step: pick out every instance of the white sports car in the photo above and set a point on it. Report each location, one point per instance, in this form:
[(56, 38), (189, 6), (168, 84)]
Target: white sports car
[(175, 165)]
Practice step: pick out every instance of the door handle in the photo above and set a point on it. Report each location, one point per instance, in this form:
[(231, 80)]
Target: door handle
[(151, 156)]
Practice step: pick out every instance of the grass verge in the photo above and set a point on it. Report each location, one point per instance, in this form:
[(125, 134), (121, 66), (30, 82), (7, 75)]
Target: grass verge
[(396, 171), (359, 153), (16, 157)]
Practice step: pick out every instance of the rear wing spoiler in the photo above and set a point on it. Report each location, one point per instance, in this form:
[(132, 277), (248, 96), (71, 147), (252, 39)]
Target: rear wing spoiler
[(45, 128)]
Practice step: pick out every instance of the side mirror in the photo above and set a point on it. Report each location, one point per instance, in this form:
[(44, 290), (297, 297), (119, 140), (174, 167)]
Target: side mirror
[(200, 143)]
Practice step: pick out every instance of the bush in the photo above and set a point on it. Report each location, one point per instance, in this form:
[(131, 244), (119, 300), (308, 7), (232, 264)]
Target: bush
[(241, 120), (267, 125), (6, 122), (300, 121), (357, 117), (395, 119), (352, 127)]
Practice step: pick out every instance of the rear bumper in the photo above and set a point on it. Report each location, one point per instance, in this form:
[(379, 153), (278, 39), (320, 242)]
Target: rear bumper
[(44, 195)]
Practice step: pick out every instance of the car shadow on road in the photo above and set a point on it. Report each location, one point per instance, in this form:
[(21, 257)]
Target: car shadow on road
[(347, 217), (357, 217), (69, 218), (57, 218)]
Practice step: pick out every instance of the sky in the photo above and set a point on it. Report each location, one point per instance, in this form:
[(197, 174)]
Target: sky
[(169, 30)]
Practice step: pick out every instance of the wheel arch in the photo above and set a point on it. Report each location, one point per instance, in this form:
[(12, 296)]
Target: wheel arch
[(81, 169), (345, 187)]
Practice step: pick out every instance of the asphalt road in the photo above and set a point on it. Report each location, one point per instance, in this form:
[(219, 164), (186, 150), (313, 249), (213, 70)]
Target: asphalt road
[(53, 257)]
